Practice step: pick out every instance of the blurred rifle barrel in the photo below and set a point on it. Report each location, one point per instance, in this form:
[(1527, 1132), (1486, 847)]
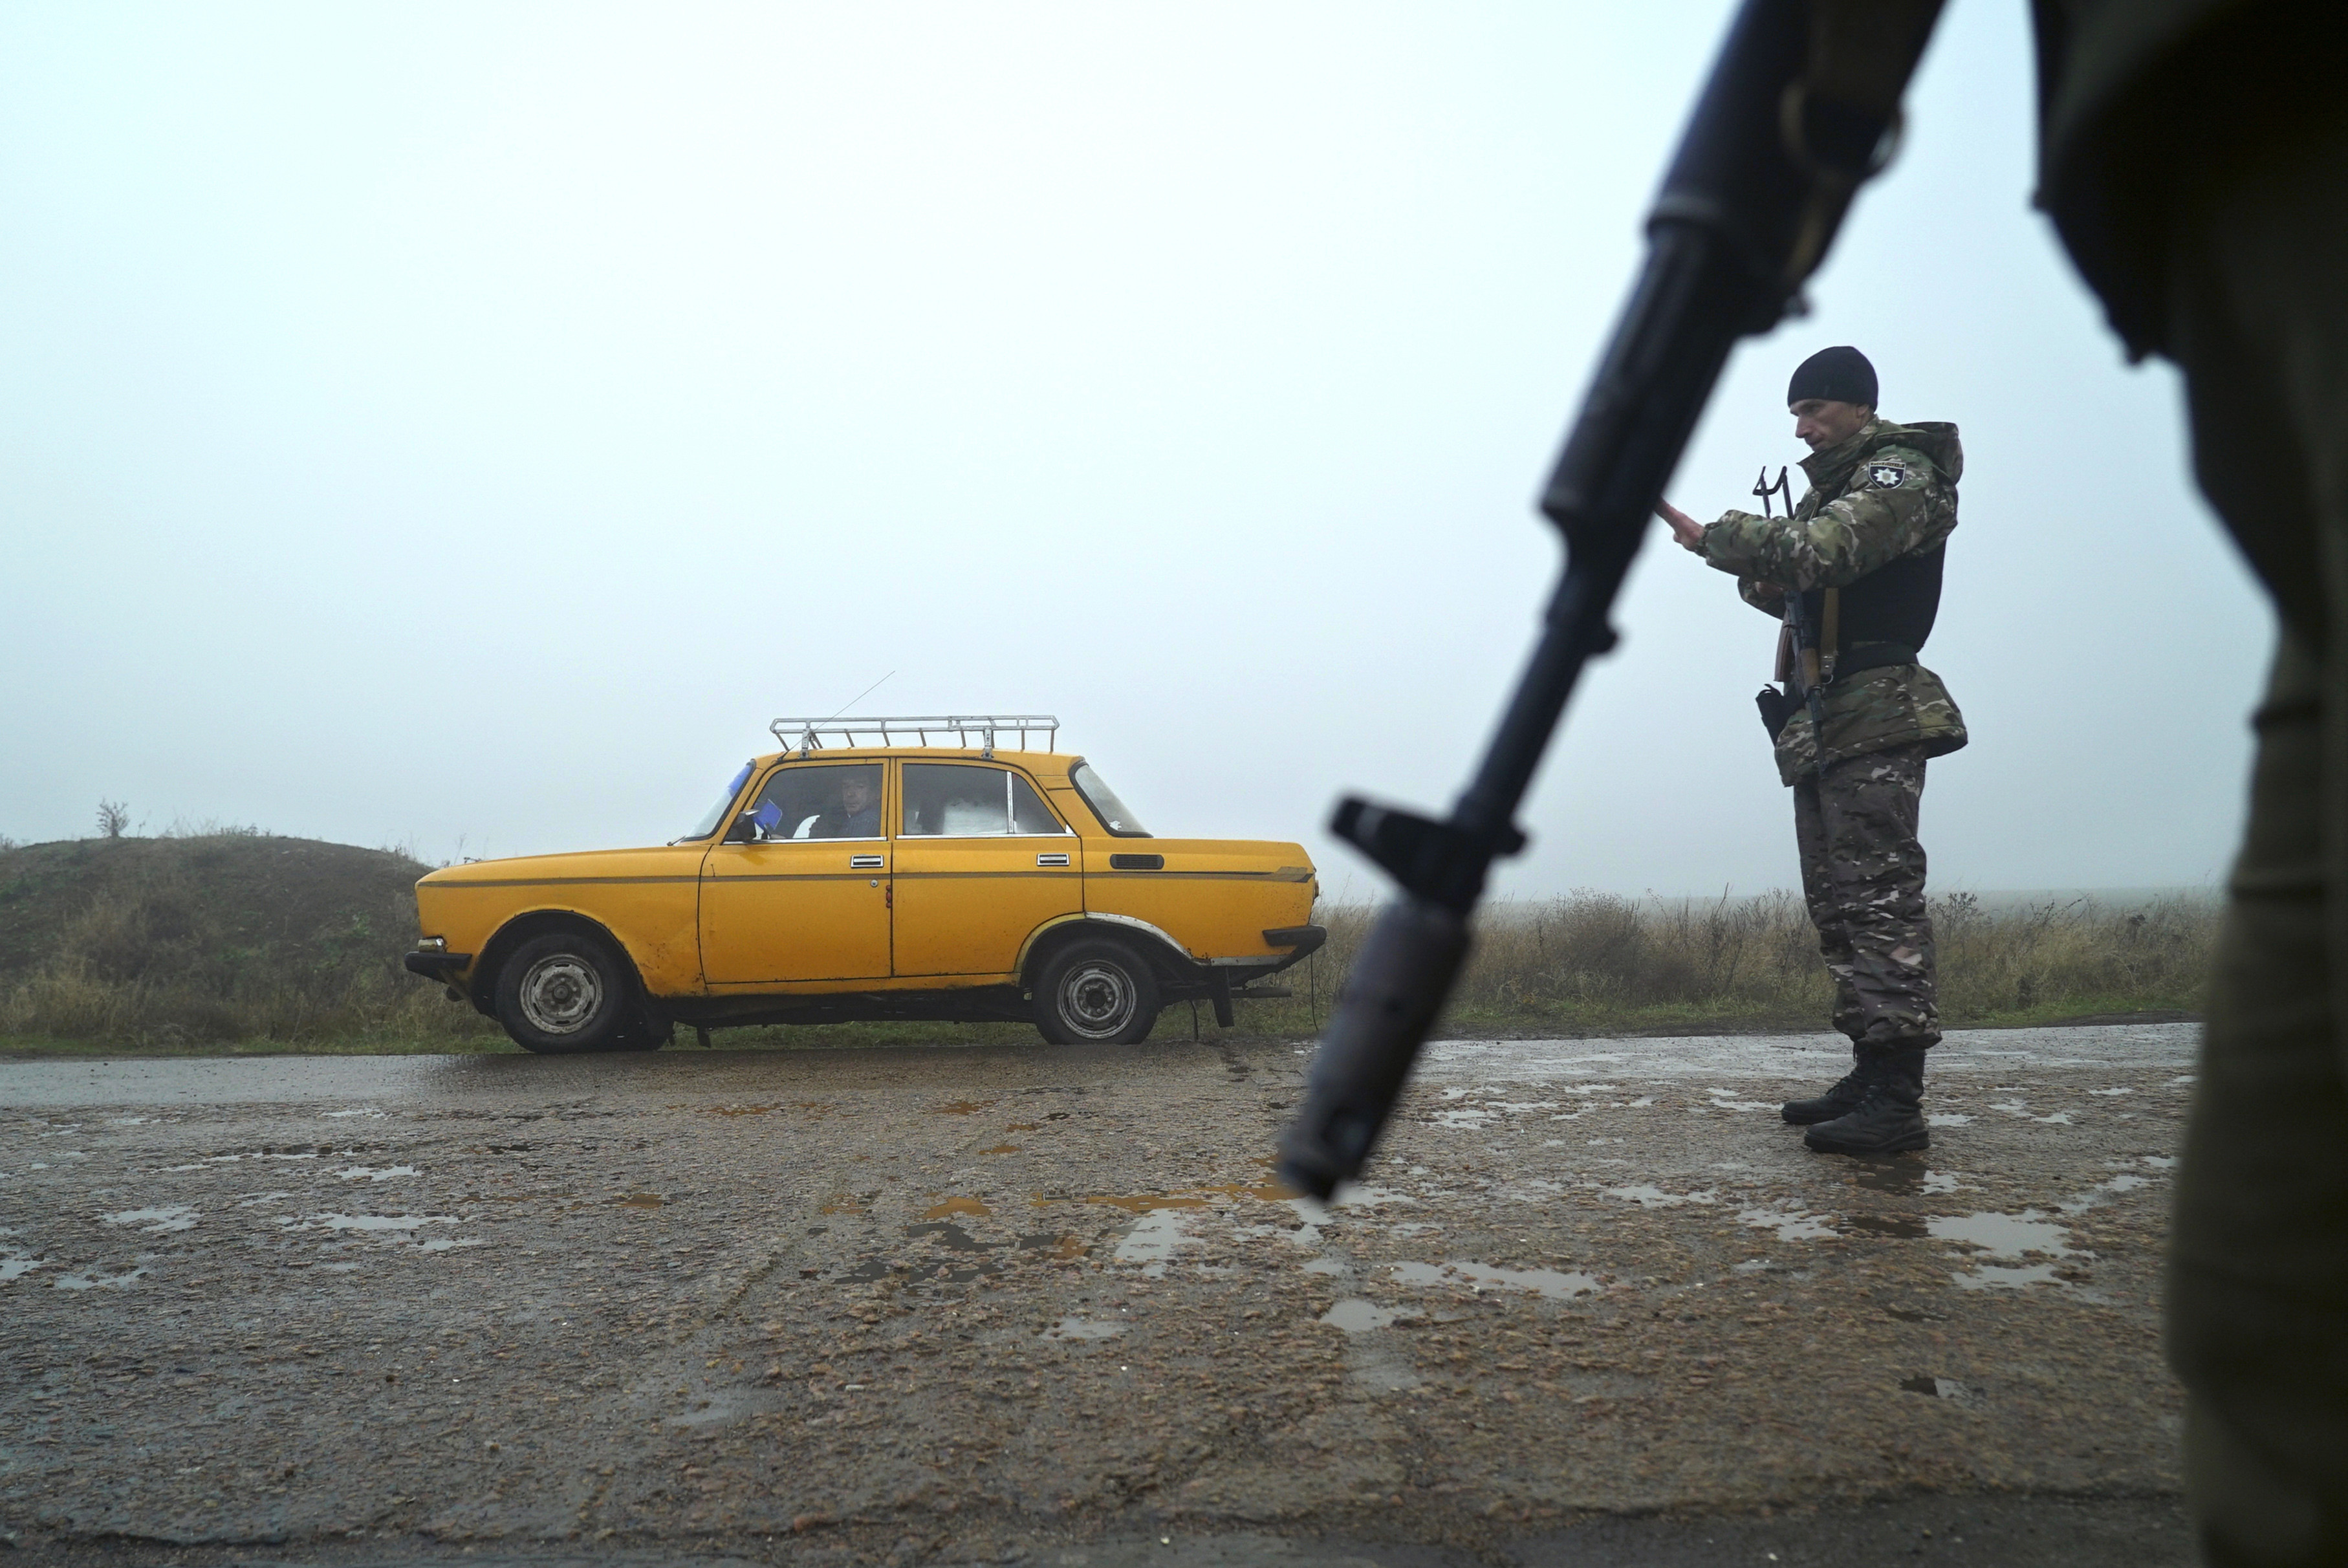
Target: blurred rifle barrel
[(1801, 108)]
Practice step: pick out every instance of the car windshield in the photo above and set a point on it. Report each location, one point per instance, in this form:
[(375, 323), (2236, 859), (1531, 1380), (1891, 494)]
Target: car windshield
[(1115, 815), (718, 812)]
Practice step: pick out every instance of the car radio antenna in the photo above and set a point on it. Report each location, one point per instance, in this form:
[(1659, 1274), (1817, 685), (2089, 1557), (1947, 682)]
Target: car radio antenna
[(860, 696)]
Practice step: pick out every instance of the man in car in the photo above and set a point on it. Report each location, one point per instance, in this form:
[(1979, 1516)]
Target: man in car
[(858, 813)]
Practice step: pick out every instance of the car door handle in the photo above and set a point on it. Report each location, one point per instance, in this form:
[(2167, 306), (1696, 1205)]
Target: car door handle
[(1051, 859), (865, 862)]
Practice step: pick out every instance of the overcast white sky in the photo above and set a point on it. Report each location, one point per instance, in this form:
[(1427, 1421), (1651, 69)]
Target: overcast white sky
[(466, 425)]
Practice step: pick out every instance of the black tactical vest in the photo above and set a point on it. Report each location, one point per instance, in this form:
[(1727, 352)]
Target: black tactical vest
[(1896, 603)]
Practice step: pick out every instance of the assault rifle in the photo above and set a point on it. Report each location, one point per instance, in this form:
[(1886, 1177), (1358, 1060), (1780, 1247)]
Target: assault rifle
[(1802, 107)]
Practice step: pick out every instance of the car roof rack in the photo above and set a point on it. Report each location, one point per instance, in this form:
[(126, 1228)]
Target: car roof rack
[(805, 735)]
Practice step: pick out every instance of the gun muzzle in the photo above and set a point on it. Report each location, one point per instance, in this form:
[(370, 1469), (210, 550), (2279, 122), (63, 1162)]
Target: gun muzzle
[(1392, 992)]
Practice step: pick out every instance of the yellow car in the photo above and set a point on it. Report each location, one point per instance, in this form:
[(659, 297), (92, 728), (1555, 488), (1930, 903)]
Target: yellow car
[(897, 868)]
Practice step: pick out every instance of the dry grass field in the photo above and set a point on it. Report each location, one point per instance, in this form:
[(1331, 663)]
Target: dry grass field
[(244, 941)]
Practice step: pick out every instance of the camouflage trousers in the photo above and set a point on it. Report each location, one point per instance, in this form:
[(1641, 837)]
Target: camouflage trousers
[(1863, 879)]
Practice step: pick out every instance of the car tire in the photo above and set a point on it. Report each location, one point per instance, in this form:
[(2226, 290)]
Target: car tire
[(1096, 993), (566, 992)]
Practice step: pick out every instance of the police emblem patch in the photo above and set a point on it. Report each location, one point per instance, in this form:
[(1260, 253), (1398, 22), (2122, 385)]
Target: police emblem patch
[(1887, 476)]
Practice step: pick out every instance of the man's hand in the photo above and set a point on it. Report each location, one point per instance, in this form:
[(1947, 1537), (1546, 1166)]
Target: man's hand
[(1687, 532)]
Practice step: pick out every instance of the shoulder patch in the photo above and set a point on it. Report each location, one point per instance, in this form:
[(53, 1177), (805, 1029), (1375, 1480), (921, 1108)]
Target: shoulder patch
[(1887, 476)]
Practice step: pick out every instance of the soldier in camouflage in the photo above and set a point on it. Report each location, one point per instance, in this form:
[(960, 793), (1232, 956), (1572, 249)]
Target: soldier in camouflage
[(1863, 547)]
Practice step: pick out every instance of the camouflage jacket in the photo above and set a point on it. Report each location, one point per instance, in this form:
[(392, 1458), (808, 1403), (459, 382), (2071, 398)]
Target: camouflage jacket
[(1890, 491)]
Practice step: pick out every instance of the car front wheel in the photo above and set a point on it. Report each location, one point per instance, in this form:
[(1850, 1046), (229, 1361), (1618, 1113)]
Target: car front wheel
[(567, 992), (1095, 992)]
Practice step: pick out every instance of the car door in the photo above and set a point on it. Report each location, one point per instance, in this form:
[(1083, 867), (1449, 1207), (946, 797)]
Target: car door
[(980, 862), (808, 899)]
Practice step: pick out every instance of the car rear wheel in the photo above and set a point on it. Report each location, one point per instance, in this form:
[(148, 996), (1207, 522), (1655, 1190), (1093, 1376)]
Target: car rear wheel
[(566, 992), (1095, 992)]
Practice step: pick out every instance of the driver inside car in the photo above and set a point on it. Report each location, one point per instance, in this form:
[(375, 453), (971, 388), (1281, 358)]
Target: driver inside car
[(859, 813)]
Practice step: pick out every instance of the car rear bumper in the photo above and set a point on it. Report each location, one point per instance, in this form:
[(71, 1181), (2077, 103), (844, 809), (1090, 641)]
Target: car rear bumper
[(1301, 942)]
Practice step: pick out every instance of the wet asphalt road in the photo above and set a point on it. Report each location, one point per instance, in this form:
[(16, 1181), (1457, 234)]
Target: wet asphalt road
[(1030, 1304)]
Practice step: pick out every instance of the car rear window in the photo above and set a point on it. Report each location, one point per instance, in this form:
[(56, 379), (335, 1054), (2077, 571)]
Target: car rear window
[(950, 800), (1114, 813)]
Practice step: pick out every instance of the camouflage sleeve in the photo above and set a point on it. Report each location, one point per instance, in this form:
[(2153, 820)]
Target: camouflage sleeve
[(1899, 504), (1769, 598)]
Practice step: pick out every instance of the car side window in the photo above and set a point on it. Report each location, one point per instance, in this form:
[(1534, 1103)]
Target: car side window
[(959, 801), (829, 801)]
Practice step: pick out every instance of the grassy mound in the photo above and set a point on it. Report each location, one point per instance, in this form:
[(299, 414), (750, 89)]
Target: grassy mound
[(186, 942)]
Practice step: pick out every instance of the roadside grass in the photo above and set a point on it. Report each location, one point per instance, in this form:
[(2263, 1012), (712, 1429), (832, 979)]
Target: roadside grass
[(239, 943)]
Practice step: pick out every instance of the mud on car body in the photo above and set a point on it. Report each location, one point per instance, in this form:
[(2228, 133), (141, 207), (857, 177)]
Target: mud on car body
[(897, 868)]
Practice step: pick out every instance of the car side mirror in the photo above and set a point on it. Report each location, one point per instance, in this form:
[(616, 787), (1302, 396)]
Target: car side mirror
[(745, 830)]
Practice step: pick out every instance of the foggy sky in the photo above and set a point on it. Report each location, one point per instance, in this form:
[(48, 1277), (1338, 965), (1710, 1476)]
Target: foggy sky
[(465, 426)]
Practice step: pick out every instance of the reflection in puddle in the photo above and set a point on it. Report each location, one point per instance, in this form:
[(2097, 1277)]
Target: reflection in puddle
[(1904, 1174), (963, 1107), (1547, 1283), (1082, 1328), (375, 1173), (1356, 1315), (1061, 1249), (15, 1262), (1888, 1225), (1002, 1148), (156, 1221), (1154, 1239), (957, 1206), (1947, 1118), (2005, 1236), (952, 1235)]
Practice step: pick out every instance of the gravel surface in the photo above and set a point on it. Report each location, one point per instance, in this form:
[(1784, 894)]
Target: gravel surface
[(1038, 1304)]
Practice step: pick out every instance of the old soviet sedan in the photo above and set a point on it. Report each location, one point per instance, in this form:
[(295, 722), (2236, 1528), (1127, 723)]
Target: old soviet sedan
[(897, 868)]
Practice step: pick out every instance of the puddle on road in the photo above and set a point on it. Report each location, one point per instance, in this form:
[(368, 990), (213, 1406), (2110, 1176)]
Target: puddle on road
[(1357, 1316), (1002, 1148), (375, 1173), (1933, 1387), (957, 1206), (963, 1107), (90, 1279), (156, 1221), (1058, 1248), (1657, 1197), (1998, 1276), (1153, 1241), (1082, 1328), (368, 1223), (1549, 1283), (1789, 1226), (339, 1114), (2005, 1236), (16, 1264)]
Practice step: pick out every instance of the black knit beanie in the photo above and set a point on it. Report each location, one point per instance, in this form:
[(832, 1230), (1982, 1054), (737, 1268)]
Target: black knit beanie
[(1838, 375)]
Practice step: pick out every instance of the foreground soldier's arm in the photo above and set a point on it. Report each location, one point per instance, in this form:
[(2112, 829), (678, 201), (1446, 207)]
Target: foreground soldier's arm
[(1902, 505)]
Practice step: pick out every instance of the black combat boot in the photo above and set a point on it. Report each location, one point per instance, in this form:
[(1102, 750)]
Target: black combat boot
[(1889, 1117), (1839, 1100)]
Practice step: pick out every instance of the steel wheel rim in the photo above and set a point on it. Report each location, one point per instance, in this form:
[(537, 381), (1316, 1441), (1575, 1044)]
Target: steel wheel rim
[(560, 994), (1097, 999)]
